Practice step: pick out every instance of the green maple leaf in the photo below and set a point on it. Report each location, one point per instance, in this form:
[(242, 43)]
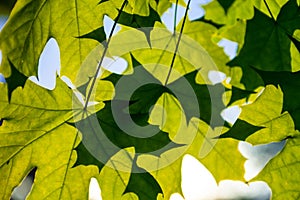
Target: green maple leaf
[(24, 36), (289, 83), (46, 144), (139, 181), (221, 158), (208, 99), (271, 49), (237, 94), (14, 80), (200, 31), (239, 9), (129, 180), (200, 142), (226, 4), (117, 172), (138, 7), (204, 101), (263, 117), (135, 20), (155, 144)]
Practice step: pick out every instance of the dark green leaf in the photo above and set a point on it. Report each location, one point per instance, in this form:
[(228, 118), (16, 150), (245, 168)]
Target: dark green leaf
[(226, 4), (238, 94), (84, 157), (267, 42), (241, 130), (143, 184), (155, 144), (15, 80), (290, 84), (208, 103), (97, 34), (137, 21)]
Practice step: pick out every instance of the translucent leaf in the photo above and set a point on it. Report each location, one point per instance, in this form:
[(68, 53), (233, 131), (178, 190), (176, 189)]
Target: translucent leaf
[(282, 171), (263, 117), (270, 50), (24, 37), (47, 143), (240, 9)]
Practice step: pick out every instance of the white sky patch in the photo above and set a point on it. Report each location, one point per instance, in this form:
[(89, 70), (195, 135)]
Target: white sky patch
[(108, 24), (176, 196), (198, 183), (115, 65), (231, 114), (230, 47), (168, 17), (216, 76), (2, 79), (3, 20), (228, 80), (195, 12), (49, 65), (0, 57), (94, 190), (258, 156)]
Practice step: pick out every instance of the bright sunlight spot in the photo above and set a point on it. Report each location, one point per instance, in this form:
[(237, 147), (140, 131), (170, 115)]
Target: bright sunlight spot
[(108, 24), (2, 79), (258, 156), (0, 57), (49, 65), (115, 65), (216, 77), (195, 12), (94, 190), (231, 114), (198, 183), (230, 47)]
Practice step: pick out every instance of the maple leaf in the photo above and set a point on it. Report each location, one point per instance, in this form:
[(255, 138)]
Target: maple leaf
[(261, 118), (46, 144), (289, 83), (270, 48), (24, 37)]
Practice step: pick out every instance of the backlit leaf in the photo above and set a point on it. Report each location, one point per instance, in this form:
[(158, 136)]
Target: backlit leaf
[(270, 49)]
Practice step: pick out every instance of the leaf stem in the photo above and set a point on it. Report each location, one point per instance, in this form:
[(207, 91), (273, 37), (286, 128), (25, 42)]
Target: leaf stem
[(175, 17), (269, 10), (103, 55), (178, 42)]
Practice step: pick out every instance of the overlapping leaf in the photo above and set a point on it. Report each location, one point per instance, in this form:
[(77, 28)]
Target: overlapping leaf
[(263, 117), (200, 31), (282, 172), (39, 122), (204, 101), (289, 84), (222, 14), (200, 142), (271, 49), (33, 23), (34, 133)]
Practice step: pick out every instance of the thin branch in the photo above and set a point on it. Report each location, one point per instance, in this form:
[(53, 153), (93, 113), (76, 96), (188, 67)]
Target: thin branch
[(178, 42), (175, 17), (102, 57)]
